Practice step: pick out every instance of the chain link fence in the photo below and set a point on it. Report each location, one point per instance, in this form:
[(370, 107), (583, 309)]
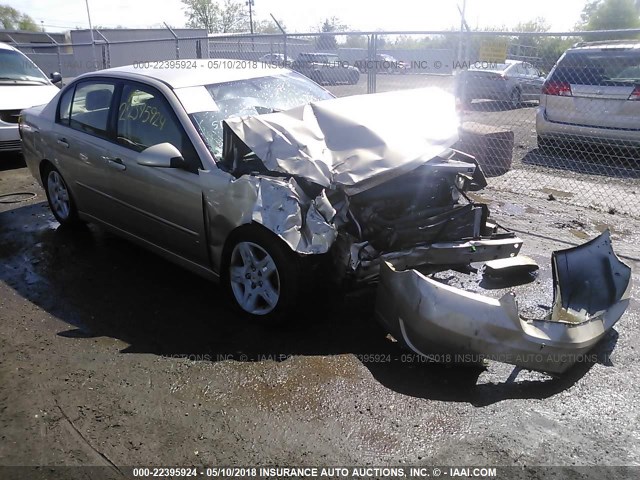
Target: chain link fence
[(567, 131)]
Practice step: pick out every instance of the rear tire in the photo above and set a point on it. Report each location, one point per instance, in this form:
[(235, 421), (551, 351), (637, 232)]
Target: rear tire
[(515, 98), (60, 199), (262, 275)]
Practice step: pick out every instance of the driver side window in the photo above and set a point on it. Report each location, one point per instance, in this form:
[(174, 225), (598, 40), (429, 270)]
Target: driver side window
[(145, 118)]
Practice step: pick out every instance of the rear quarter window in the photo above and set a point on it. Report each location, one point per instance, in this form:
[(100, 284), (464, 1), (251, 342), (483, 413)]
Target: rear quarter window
[(64, 107)]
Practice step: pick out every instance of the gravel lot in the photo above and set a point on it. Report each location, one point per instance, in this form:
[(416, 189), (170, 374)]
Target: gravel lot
[(110, 356)]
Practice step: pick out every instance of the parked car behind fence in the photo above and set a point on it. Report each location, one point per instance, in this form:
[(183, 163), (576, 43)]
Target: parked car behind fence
[(514, 82), (592, 96), (22, 85), (326, 69)]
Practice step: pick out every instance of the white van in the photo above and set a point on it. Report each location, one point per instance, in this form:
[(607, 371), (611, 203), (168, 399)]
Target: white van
[(22, 85)]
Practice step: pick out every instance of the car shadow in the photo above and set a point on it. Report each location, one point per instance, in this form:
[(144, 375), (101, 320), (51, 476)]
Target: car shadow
[(11, 161), (609, 162), (461, 383), (103, 286)]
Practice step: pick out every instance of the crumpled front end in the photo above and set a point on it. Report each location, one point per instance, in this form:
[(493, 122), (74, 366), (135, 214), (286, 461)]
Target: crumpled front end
[(591, 293), (339, 177)]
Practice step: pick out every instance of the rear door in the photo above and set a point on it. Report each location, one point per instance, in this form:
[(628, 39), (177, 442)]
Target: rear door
[(81, 140), (532, 83), (160, 205), (601, 82)]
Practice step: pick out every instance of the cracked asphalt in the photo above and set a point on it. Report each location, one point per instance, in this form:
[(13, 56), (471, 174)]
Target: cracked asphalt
[(111, 356)]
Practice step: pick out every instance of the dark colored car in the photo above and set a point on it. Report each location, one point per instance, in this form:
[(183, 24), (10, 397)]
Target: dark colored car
[(325, 69), (382, 63)]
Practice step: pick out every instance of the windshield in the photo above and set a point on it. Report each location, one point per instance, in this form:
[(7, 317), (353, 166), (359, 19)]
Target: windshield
[(255, 96), (15, 67), (599, 68)]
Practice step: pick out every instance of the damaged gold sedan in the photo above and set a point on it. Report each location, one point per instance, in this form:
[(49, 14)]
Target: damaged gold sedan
[(255, 177)]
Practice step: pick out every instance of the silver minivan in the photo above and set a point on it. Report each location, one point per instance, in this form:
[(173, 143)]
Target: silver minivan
[(592, 95), (22, 85)]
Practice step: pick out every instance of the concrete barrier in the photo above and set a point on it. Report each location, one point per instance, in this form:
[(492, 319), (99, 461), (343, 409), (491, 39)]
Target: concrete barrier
[(492, 146)]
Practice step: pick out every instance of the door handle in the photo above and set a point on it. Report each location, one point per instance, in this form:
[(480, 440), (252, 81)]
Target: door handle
[(63, 142), (115, 163)]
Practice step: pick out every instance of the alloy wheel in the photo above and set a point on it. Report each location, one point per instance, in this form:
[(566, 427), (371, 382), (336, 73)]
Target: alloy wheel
[(58, 195), (254, 277)]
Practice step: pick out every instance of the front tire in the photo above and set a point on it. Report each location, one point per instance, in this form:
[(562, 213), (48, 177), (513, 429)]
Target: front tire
[(261, 275), (59, 196)]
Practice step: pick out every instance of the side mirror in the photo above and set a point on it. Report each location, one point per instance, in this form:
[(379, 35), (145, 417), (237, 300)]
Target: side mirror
[(55, 77), (162, 155)]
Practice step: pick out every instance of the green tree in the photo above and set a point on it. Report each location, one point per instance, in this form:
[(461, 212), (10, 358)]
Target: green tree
[(527, 47), (356, 41), (326, 41), (227, 16), (267, 26), (610, 15), (12, 19), (409, 42)]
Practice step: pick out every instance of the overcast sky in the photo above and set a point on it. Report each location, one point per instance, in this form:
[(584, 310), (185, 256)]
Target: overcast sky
[(305, 15)]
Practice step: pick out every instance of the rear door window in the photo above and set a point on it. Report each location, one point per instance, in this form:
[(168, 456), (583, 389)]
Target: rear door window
[(90, 108)]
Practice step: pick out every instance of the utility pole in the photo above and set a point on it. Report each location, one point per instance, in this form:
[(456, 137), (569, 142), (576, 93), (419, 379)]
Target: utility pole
[(251, 4), (93, 40), (284, 41), (463, 24)]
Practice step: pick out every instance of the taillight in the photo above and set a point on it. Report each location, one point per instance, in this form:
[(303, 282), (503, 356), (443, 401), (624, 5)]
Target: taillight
[(562, 89), (635, 95)]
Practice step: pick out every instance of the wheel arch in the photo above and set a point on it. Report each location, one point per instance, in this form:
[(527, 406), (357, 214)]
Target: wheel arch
[(242, 229), (44, 164)]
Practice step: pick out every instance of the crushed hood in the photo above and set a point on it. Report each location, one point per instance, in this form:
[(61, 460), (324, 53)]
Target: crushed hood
[(354, 142)]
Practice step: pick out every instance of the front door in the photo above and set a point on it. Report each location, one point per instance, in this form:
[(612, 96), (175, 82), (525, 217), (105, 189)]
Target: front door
[(160, 205)]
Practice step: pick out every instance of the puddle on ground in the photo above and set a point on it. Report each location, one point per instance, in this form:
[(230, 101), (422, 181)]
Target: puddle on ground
[(516, 208), (580, 233), (601, 227), (556, 193), (479, 198)]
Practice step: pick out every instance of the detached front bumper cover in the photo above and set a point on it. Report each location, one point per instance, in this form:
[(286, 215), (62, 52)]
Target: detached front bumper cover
[(591, 292)]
